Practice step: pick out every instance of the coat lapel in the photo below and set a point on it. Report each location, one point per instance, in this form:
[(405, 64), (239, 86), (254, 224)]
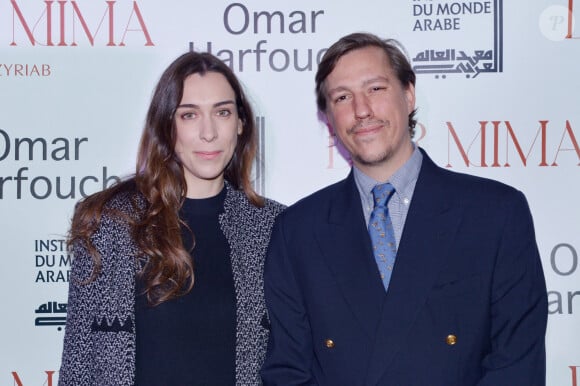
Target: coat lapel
[(346, 248), (429, 229)]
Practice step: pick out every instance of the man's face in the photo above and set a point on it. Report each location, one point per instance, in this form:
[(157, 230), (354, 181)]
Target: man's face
[(369, 108)]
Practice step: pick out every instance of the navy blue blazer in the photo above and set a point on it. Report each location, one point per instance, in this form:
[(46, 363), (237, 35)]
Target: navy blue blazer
[(466, 305)]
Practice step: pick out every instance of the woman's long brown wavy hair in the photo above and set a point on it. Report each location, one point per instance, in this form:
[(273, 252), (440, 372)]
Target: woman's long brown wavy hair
[(159, 179)]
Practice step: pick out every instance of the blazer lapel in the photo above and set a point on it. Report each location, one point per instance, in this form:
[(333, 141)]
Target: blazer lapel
[(430, 227), (346, 247)]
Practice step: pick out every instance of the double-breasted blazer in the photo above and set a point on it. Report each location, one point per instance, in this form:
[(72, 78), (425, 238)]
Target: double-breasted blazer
[(466, 304)]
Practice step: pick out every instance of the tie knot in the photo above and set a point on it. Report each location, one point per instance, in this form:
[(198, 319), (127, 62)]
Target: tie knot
[(382, 193)]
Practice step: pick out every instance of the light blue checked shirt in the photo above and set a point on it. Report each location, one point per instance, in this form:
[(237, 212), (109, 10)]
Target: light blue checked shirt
[(403, 180)]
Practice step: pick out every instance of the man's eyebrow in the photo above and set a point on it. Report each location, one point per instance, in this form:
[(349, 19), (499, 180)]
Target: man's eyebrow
[(365, 83), (336, 89), (376, 79)]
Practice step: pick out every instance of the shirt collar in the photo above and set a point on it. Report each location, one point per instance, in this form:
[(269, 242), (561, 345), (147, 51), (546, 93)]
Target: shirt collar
[(403, 180)]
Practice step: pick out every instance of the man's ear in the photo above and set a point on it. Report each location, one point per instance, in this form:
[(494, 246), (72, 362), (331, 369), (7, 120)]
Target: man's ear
[(324, 118), (410, 96)]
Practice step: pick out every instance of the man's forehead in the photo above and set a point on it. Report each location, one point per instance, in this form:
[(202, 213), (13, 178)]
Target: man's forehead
[(371, 79)]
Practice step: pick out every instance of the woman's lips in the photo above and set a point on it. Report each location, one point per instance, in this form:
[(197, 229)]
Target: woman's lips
[(208, 155)]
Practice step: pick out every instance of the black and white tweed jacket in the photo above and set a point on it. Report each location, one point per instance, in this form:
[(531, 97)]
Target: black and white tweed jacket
[(99, 342)]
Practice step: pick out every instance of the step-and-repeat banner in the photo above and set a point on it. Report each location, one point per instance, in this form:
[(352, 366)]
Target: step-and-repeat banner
[(497, 94)]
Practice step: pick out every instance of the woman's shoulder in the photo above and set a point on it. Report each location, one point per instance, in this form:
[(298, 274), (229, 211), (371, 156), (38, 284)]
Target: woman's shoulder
[(238, 201), (117, 204), (126, 197), (274, 206)]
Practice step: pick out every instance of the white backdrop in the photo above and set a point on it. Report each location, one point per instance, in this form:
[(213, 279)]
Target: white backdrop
[(497, 95)]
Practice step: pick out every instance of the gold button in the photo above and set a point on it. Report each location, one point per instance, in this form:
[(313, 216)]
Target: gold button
[(451, 340), (329, 343)]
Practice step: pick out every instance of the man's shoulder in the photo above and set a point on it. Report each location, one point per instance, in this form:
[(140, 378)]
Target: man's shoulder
[(318, 201), (463, 183), (475, 193), (476, 185)]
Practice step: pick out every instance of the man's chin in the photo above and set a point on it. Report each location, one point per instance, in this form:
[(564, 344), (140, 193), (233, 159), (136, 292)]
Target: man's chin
[(370, 161)]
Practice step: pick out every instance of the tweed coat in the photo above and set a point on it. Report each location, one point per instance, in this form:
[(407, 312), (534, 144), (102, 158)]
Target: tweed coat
[(99, 342)]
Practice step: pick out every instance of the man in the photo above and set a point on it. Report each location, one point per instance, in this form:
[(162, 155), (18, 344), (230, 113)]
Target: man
[(454, 296)]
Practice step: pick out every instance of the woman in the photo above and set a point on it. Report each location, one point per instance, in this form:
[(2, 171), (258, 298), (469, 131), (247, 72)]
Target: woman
[(166, 284)]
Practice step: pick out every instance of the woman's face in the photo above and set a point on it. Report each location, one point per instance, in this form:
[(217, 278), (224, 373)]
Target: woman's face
[(208, 126)]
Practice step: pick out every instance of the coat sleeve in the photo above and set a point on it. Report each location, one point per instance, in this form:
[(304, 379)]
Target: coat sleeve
[(290, 353), (518, 305), (90, 354), (77, 347)]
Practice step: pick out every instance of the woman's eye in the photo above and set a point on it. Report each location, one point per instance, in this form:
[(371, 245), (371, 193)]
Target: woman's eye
[(188, 115), (224, 113), (340, 98)]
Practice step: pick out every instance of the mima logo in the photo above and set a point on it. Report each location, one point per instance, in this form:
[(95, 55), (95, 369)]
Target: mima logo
[(496, 141), (49, 378), (59, 24)]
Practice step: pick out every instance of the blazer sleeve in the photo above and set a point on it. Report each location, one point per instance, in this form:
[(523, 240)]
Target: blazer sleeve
[(290, 353), (519, 306)]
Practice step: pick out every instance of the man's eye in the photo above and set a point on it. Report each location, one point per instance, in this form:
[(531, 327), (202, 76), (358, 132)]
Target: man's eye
[(340, 98)]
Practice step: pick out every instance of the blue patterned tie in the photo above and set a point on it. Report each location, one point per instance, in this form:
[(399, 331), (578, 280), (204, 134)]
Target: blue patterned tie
[(381, 232)]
